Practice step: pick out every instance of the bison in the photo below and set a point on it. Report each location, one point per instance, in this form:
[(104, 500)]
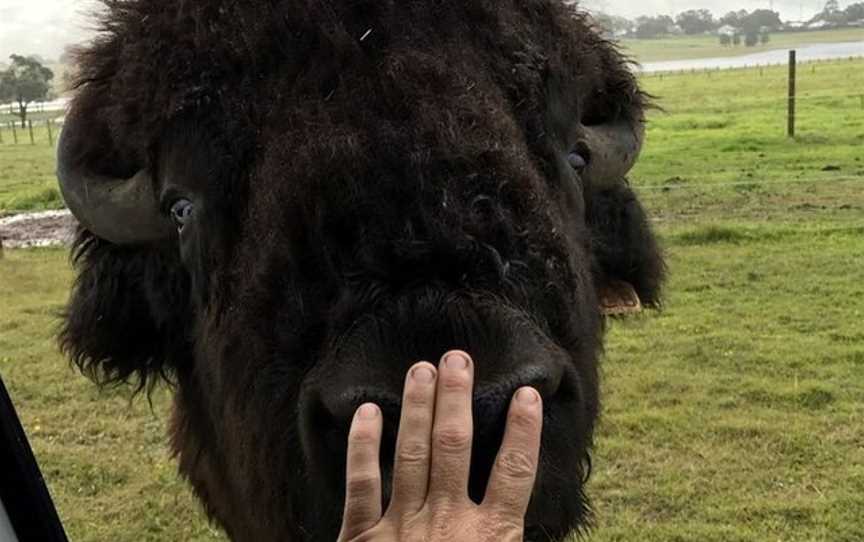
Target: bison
[(284, 204)]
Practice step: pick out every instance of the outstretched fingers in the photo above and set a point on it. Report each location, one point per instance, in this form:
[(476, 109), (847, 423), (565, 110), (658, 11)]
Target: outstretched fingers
[(363, 473), (515, 468)]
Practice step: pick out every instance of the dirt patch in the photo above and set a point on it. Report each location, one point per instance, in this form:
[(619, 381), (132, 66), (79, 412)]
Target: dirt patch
[(42, 229)]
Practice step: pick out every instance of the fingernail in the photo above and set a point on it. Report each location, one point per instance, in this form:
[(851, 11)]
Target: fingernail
[(423, 374), (527, 396), (367, 411), (456, 361)]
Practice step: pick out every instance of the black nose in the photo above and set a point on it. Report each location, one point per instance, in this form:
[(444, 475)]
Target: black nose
[(340, 407), (327, 410), (490, 404), (492, 401)]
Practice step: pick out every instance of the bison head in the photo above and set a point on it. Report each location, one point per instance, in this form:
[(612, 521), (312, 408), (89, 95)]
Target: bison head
[(285, 204)]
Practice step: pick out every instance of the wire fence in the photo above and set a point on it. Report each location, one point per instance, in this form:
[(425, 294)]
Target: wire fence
[(734, 106), (757, 68), (34, 132)]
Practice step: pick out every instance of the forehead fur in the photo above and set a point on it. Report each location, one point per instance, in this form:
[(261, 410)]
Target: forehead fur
[(158, 59)]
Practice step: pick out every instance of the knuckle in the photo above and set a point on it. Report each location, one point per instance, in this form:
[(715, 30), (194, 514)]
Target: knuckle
[(418, 398), (516, 464), (456, 381), (524, 420), (362, 484), (413, 452), (363, 436), (452, 438), (445, 518)]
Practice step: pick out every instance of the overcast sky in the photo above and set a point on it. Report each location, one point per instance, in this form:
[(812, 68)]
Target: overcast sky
[(44, 27)]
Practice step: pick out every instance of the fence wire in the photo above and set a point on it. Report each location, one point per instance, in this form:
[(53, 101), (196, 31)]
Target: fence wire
[(813, 64)]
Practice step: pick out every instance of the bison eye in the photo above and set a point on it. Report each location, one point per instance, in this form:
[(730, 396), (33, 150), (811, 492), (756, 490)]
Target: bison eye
[(577, 161), (181, 212)]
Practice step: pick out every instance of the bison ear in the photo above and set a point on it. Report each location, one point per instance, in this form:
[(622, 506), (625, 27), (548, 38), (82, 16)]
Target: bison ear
[(624, 247), (127, 315)]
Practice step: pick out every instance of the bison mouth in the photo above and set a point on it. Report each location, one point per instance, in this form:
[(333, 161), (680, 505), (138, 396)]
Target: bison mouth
[(368, 361)]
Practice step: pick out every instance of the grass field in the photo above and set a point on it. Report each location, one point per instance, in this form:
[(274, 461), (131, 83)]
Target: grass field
[(718, 148), (27, 180), (685, 47), (734, 414)]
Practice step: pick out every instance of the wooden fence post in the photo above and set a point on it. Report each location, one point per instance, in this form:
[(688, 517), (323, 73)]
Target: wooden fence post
[(30, 126), (14, 132), (1, 133), (50, 135), (790, 121)]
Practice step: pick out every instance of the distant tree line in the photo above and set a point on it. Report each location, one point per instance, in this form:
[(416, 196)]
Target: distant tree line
[(753, 26)]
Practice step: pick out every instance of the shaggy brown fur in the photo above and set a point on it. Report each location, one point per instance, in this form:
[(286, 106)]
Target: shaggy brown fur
[(374, 181)]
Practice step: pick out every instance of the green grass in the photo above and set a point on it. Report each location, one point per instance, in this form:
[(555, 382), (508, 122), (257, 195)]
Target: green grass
[(27, 180), (731, 414), (734, 414), (686, 47), (105, 458), (718, 146)]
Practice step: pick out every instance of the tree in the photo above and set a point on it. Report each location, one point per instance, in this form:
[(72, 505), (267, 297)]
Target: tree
[(725, 40), (26, 80), (736, 40), (734, 18), (764, 38), (854, 12), (831, 13), (751, 39), (651, 27), (695, 21), (603, 20), (614, 24), (759, 19), (730, 18)]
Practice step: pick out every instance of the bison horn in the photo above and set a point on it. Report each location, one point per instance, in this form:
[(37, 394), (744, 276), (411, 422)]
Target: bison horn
[(612, 150), (122, 211)]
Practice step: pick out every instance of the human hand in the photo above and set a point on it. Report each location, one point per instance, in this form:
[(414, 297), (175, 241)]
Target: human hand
[(433, 458)]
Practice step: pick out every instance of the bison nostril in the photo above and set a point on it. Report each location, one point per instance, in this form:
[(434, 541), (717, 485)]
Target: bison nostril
[(491, 403), (492, 400), (335, 412)]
